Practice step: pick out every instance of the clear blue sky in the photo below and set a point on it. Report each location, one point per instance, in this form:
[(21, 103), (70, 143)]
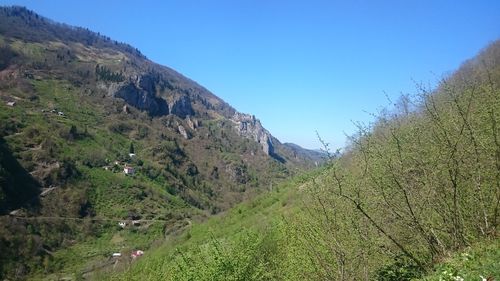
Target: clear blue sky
[(299, 66)]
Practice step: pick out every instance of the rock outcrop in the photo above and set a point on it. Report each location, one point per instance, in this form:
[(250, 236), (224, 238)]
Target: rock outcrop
[(141, 93), (183, 132), (182, 107), (145, 92), (250, 127), (192, 123)]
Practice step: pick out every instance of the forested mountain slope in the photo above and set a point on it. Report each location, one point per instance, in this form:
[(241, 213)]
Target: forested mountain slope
[(93, 134)]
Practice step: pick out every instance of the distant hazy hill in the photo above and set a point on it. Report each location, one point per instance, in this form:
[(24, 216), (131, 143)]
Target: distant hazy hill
[(77, 108), (316, 156)]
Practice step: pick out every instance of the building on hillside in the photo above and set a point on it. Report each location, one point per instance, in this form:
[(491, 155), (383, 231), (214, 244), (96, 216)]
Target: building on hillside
[(136, 254), (11, 103), (128, 170)]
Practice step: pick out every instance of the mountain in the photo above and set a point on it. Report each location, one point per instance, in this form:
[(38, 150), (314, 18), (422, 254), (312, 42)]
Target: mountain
[(93, 134), (316, 156)]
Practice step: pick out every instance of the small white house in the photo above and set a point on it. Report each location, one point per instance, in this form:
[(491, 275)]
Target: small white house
[(60, 113), (122, 224), (117, 255), (128, 170), (136, 254), (11, 103), (131, 155)]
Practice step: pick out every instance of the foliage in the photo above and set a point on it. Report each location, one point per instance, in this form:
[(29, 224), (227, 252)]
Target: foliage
[(250, 242), (103, 73), (421, 182), (401, 269), (477, 262)]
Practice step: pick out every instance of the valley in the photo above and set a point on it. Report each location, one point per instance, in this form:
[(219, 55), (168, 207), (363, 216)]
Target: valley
[(113, 167)]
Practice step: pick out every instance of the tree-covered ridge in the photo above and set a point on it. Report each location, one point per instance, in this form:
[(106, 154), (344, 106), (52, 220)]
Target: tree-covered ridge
[(21, 23)]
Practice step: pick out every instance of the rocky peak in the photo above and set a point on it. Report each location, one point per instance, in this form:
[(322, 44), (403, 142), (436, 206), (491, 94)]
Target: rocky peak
[(248, 126)]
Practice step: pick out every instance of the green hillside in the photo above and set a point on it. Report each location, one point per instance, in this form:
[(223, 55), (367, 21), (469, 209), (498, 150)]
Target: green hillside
[(414, 197), (76, 110)]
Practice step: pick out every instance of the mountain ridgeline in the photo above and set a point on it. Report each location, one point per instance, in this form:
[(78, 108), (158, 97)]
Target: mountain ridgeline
[(93, 131)]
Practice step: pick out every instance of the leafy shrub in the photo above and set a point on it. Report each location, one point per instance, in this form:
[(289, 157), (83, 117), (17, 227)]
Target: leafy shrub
[(401, 269)]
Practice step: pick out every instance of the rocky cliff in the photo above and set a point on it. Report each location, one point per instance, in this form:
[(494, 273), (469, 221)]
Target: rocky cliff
[(248, 126), (140, 93)]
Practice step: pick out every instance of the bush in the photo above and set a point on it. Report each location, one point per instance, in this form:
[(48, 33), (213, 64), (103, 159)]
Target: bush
[(401, 269)]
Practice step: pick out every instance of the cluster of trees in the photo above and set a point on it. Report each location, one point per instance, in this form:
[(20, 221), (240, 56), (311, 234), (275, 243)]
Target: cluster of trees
[(105, 74), (6, 56), (422, 182)]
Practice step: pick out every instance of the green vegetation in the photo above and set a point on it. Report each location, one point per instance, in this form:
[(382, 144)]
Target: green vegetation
[(75, 152), (479, 261), (105, 74), (249, 242)]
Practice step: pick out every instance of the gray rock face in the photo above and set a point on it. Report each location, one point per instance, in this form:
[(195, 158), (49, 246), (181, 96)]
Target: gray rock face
[(192, 123), (182, 107), (248, 126), (183, 132), (141, 93)]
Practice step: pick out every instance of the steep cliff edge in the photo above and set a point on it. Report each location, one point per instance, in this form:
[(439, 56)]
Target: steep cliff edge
[(250, 127)]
